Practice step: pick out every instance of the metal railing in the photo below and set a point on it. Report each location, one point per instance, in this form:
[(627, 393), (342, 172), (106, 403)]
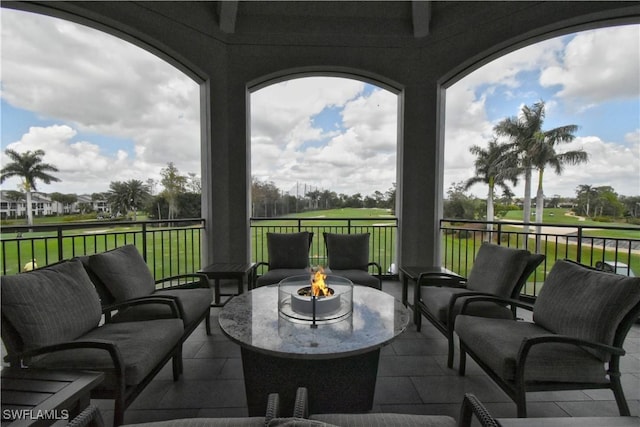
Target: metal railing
[(172, 248), (382, 240), (591, 245), (169, 247)]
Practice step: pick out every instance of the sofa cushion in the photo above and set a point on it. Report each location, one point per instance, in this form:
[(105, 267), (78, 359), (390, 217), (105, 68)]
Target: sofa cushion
[(124, 272), (288, 250), (586, 303), (51, 305), (192, 304), (385, 419), (142, 346), (347, 251), (497, 343), (497, 269), (205, 422)]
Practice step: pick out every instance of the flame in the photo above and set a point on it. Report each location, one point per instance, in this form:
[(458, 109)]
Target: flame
[(318, 287)]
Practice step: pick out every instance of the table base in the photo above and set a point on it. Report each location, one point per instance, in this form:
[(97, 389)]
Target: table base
[(340, 385)]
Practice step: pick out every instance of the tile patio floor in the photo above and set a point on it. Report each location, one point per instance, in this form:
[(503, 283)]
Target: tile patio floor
[(412, 378)]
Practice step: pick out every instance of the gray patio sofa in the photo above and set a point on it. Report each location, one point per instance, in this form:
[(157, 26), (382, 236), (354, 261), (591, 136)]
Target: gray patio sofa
[(52, 319)]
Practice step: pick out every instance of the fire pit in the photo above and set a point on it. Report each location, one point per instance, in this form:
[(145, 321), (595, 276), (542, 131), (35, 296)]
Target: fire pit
[(318, 297)]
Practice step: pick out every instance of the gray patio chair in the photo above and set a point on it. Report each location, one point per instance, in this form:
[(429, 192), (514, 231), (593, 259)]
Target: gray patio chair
[(288, 256), (348, 256), (497, 270), (580, 320)]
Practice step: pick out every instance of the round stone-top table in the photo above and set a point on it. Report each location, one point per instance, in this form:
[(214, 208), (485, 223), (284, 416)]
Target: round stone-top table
[(337, 361)]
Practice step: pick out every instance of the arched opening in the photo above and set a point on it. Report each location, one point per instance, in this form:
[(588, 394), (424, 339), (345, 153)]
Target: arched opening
[(324, 146), (587, 78)]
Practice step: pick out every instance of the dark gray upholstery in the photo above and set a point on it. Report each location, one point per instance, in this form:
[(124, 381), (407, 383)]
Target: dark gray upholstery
[(348, 256), (141, 344), (497, 270), (599, 302), (51, 305), (385, 419), (580, 320), (124, 272), (288, 256)]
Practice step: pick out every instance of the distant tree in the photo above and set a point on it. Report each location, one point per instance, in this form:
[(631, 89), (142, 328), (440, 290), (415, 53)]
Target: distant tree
[(544, 154), (459, 204), (494, 167), (173, 184), (194, 184), (127, 196), (631, 205), (66, 200), (585, 195), (30, 168), (607, 203), (526, 135)]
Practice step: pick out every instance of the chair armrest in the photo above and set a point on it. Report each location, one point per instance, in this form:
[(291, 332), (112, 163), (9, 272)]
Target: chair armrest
[(202, 281), (89, 417), (497, 299), (301, 406), (169, 300), (273, 408), (452, 302), (108, 346), (528, 343), (453, 280), (472, 406), (377, 266)]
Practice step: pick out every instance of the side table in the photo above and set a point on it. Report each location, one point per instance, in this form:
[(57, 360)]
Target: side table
[(35, 397), (217, 271), (435, 275)]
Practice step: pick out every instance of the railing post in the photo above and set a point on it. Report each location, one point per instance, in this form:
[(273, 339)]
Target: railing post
[(60, 247), (499, 233), (579, 243), (144, 241)]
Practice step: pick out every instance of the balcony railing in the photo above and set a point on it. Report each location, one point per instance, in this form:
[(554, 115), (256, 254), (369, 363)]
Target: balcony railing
[(382, 240), (169, 247), (172, 248)]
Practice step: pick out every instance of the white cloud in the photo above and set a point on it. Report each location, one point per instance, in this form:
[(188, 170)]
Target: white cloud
[(597, 66), (98, 84)]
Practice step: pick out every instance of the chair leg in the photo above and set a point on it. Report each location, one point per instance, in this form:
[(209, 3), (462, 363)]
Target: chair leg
[(521, 402), (207, 322), (118, 411), (618, 393), (463, 361), (176, 362)]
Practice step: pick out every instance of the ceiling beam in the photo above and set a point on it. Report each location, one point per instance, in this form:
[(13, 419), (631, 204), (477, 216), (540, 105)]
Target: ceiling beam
[(421, 15), (228, 12)]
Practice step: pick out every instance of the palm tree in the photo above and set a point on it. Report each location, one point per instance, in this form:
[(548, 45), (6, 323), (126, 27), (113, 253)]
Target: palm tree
[(126, 196), (30, 168), (526, 136), (545, 155), (491, 169)]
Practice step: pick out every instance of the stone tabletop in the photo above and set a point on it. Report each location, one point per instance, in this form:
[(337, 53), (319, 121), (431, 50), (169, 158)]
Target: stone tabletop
[(252, 320)]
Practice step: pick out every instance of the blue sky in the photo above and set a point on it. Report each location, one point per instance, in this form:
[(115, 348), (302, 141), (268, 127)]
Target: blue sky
[(98, 121)]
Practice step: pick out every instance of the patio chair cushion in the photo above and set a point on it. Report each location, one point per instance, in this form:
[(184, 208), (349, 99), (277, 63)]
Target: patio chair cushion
[(142, 345), (385, 419), (347, 251), (572, 302), (497, 269), (205, 422), (52, 304), (124, 272), (546, 362), (358, 277), (288, 250), (275, 276), (437, 300), (191, 303)]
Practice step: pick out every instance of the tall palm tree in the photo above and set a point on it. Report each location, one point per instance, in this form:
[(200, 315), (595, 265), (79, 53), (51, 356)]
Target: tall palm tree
[(545, 155), (30, 168), (526, 136), (492, 168)]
